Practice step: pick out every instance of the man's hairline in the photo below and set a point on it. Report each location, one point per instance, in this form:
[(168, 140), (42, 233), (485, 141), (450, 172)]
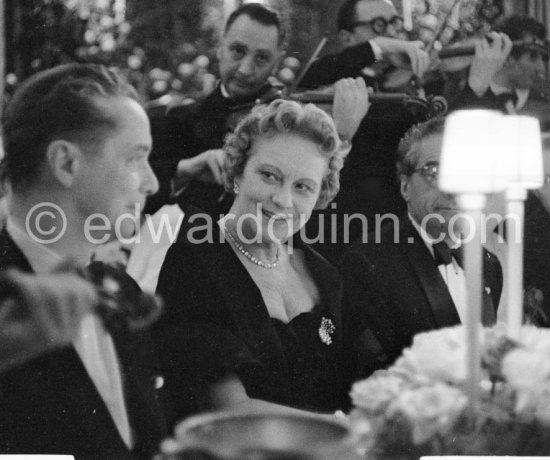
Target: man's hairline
[(280, 38), (395, 12)]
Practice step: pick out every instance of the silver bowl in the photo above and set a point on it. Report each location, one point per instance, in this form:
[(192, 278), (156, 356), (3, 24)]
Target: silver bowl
[(260, 436)]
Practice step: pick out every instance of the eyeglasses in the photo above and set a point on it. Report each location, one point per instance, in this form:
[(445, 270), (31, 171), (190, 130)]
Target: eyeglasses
[(430, 173), (380, 24)]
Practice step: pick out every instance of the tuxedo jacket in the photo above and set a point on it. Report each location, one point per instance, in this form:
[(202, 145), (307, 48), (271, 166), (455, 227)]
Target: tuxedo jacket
[(217, 315), (49, 405), (536, 259), (394, 290), (185, 131)]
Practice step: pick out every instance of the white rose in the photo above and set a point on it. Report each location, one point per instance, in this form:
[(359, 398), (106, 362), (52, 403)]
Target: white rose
[(524, 369), (375, 393), (436, 355), (430, 410), (536, 339)]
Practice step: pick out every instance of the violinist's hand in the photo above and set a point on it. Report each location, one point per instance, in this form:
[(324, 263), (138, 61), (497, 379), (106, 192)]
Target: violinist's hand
[(40, 312), (351, 104), (205, 167), (394, 50), (488, 60)]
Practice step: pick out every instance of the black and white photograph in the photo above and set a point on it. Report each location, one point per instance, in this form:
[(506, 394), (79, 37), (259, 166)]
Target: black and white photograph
[(274, 230)]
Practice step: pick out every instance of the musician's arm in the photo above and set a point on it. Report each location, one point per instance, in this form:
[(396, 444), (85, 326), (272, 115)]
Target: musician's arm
[(205, 167), (170, 131), (333, 67)]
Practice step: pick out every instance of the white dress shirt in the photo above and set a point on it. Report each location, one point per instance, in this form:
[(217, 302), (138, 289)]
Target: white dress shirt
[(452, 274), (93, 343)]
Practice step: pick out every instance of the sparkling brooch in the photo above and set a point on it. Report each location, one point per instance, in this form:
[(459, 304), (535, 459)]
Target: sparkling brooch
[(326, 329)]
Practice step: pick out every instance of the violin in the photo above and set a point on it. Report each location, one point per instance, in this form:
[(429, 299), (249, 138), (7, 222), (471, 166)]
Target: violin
[(422, 108), (451, 59), (239, 110)]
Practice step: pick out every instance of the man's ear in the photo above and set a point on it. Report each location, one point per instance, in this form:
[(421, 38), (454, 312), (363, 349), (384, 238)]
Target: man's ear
[(405, 187), (64, 161), (346, 38)]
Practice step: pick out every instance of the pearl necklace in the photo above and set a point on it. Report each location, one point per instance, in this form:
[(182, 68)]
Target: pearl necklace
[(250, 257)]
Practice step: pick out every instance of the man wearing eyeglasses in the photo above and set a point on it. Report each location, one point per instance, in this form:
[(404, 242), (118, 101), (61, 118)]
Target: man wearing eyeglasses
[(505, 69), (407, 277), (369, 30)]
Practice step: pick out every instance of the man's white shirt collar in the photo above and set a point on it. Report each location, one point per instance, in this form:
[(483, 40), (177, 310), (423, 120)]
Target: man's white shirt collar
[(225, 93)]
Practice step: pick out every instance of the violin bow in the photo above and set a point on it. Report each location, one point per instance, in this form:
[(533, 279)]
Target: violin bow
[(314, 56)]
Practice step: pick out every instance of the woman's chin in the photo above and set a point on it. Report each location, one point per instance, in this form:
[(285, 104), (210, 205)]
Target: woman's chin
[(281, 232)]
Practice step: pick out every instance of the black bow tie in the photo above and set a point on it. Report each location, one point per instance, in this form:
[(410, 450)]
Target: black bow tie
[(444, 254)]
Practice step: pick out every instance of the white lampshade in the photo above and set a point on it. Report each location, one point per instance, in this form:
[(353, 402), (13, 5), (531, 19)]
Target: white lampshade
[(523, 151), (485, 152), (470, 160)]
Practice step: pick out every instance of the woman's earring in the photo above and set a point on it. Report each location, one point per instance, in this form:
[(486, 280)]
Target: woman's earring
[(235, 188)]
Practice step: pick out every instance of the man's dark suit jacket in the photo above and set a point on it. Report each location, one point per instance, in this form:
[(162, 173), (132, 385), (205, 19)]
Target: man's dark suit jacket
[(536, 258), (184, 131), (395, 290), (49, 405)]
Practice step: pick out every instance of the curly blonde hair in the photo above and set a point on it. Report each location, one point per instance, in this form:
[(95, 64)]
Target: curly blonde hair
[(279, 117)]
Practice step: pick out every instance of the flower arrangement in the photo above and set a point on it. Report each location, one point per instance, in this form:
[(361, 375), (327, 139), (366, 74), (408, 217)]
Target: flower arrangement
[(419, 406)]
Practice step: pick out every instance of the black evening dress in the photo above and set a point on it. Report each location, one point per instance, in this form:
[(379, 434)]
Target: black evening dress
[(216, 324)]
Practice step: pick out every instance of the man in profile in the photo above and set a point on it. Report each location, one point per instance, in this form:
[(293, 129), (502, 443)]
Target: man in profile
[(408, 278), (77, 143)]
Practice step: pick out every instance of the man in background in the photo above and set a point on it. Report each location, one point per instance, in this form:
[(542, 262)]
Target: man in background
[(188, 140), (501, 75), (408, 277), (369, 31)]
